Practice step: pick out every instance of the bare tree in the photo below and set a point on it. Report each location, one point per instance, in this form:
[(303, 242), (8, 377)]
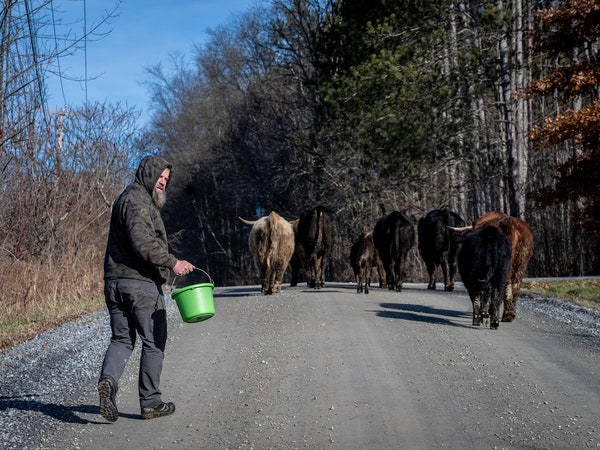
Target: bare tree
[(33, 42)]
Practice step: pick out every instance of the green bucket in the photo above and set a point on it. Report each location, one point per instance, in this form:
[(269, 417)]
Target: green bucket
[(195, 302)]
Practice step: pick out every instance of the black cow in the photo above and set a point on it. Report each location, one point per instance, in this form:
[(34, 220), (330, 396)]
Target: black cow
[(316, 230), (438, 246), (521, 237), (393, 237), (361, 259), (483, 263)]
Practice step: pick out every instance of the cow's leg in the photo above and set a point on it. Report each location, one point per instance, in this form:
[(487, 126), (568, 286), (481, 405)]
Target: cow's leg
[(399, 274), (509, 304), (476, 300), (451, 275), (382, 278), (277, 277), (485, 306), (395, 284), (380, 272), (448, 284), (361, 277), (312, 278), (294, 280), (518, 272), (269, 282), (320, 272), (264, 279), (357, 277), (367, 277), (494, 308), (389, 277), (431, 272)]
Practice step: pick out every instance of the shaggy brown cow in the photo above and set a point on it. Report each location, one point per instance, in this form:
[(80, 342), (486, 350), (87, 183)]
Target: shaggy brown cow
[(521, 237), (361, 259), (271, 243), (315, 235)]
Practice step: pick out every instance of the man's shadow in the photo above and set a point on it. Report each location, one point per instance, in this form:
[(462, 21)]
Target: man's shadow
[(62, 413)]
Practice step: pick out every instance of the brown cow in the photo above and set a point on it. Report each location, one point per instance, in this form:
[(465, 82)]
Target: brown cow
[(521, 237), (361, 259), (271, 243)]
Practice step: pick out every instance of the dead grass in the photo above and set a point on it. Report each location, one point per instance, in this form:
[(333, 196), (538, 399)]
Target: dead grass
[(37, 297)]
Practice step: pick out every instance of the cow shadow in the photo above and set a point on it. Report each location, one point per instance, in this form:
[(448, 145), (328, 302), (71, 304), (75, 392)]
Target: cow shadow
[(237, 291), (421, 313), (63, 413)]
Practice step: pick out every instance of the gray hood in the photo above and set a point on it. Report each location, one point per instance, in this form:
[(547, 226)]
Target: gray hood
[(150, 169)]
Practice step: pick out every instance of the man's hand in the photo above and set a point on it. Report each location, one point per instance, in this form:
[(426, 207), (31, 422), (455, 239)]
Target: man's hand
[(182, 267)]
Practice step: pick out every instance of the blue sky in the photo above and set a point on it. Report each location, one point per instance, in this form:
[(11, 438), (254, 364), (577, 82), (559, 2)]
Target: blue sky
[(143, 34)]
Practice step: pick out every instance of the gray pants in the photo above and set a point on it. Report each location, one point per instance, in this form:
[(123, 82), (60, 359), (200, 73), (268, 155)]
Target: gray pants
[(136, 308)]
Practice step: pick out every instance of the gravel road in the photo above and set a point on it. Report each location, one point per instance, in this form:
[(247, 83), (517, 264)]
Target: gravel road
[(323, 369)]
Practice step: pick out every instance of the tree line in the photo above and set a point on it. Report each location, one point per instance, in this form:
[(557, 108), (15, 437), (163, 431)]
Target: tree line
[(365, 107), (369, 107)]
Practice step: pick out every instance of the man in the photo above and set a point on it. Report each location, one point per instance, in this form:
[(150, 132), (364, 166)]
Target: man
[(136, 265)]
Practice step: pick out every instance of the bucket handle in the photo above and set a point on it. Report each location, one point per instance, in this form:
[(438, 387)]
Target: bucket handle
[(205, 273), (195, 268)]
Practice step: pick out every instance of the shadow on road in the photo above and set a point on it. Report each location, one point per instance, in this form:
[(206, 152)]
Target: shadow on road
[(421, 313), (62, 413)]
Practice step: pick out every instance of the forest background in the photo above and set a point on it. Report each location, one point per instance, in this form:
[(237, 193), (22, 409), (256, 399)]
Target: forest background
[(365, 107)]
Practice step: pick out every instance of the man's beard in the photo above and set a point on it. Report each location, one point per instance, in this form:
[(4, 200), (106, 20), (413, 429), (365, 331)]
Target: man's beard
[(159, 199)]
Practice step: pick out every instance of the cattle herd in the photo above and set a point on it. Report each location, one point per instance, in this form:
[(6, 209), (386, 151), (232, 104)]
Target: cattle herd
[(491, 254)]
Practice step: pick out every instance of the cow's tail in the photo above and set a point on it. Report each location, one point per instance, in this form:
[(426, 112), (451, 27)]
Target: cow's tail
[(319, 237), (494, 253)]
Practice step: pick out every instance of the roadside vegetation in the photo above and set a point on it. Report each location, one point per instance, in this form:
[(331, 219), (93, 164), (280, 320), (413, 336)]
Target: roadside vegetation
[(584, 292)]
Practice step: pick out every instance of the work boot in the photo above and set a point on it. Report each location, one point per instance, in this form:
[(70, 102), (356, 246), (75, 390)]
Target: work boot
[(164, 409), (108, 406)]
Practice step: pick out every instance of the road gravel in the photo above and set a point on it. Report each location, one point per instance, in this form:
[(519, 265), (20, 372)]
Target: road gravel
[(324, 369)]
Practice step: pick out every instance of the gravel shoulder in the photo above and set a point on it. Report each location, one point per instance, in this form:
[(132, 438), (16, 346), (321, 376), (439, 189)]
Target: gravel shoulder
[(323, 369)]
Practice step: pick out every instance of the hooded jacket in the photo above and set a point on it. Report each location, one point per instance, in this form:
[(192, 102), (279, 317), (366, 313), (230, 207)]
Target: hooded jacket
[(137, 240)]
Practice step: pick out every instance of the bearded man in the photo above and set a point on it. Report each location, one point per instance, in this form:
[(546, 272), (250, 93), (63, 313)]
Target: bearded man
[(136, 265)]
